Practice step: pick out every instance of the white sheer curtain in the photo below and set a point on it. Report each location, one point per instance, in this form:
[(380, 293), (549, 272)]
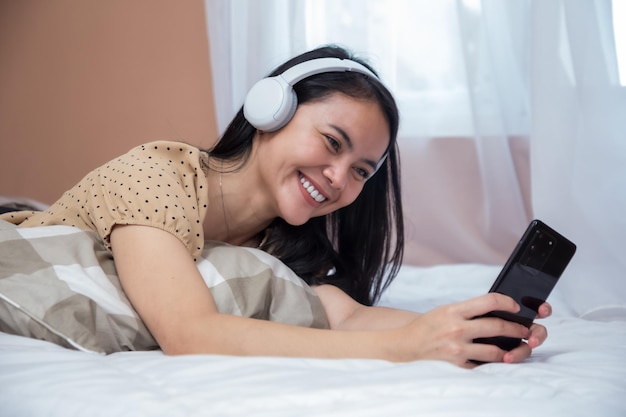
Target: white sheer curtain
[(433, 55), (478, 84), (579, 146)]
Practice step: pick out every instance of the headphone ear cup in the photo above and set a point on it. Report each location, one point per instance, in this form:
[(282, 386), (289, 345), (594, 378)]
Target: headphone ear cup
[(270, 104)]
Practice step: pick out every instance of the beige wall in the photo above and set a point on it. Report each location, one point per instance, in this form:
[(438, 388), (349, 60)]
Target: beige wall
[(83, 81)]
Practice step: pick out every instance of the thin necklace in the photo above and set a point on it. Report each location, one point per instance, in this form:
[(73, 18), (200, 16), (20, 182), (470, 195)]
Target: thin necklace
[(223, 206)]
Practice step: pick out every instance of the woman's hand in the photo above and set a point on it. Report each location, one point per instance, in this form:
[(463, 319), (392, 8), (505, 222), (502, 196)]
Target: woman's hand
[(538, 335), (447, 333)]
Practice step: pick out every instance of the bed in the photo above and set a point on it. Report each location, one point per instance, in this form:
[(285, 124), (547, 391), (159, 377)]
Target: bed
[(579, 371)]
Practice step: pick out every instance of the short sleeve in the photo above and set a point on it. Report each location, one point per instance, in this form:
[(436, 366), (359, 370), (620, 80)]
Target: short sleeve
[(159, 184)]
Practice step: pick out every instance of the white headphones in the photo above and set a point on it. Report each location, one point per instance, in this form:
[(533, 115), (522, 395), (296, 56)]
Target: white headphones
[(271, 102)]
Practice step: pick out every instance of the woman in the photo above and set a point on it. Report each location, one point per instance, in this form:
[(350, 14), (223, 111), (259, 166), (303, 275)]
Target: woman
[(320, 191)]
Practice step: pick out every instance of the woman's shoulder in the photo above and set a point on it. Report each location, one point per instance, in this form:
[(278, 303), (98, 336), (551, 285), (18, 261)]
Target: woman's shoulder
[(165, 146), (182, 154)]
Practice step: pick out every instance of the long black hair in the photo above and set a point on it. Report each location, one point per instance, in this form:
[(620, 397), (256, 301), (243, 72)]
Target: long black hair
[(358, 248)]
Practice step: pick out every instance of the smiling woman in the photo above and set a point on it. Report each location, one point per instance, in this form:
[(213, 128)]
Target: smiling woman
[(319, 190), (345, 122)]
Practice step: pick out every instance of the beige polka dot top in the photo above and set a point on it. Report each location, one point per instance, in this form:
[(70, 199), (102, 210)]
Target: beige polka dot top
[(158, 184)]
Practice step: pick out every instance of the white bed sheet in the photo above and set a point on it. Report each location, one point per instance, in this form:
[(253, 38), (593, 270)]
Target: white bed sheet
[(580, 371)]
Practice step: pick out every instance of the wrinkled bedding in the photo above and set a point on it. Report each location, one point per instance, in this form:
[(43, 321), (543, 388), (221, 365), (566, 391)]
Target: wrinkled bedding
[(579, 371)]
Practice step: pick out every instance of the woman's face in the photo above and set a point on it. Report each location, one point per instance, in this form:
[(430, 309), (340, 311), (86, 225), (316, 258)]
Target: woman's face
[(320, 161)]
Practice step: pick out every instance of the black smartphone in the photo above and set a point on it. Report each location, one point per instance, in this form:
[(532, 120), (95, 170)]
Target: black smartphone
[(529, 275)]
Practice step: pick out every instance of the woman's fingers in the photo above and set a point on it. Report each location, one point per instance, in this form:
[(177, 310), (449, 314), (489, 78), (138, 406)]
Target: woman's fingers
[(545, 310), (478, 306), (448, 332), (484, 353), (493, 327), (518, 354), (538, 335)]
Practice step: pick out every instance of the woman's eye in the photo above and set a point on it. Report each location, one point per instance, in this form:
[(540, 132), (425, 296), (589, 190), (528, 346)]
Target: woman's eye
[(333, 142), (362, 172)]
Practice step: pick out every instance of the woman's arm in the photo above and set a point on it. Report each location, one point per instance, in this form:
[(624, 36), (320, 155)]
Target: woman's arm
[(345, 313), (166, 289)]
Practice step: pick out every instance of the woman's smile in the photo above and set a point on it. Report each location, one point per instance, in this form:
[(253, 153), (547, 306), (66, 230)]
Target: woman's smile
[(310, 189)]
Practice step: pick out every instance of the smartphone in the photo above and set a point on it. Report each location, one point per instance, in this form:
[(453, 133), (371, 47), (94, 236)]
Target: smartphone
[(529, 275)]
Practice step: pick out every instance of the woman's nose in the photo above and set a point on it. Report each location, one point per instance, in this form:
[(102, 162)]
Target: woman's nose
[(337, 175)]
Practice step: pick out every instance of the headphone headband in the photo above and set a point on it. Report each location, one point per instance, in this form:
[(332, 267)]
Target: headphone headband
[(271, 102), (320, 65)]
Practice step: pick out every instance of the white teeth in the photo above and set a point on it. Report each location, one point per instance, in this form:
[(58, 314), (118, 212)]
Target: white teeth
[(312, 191)]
